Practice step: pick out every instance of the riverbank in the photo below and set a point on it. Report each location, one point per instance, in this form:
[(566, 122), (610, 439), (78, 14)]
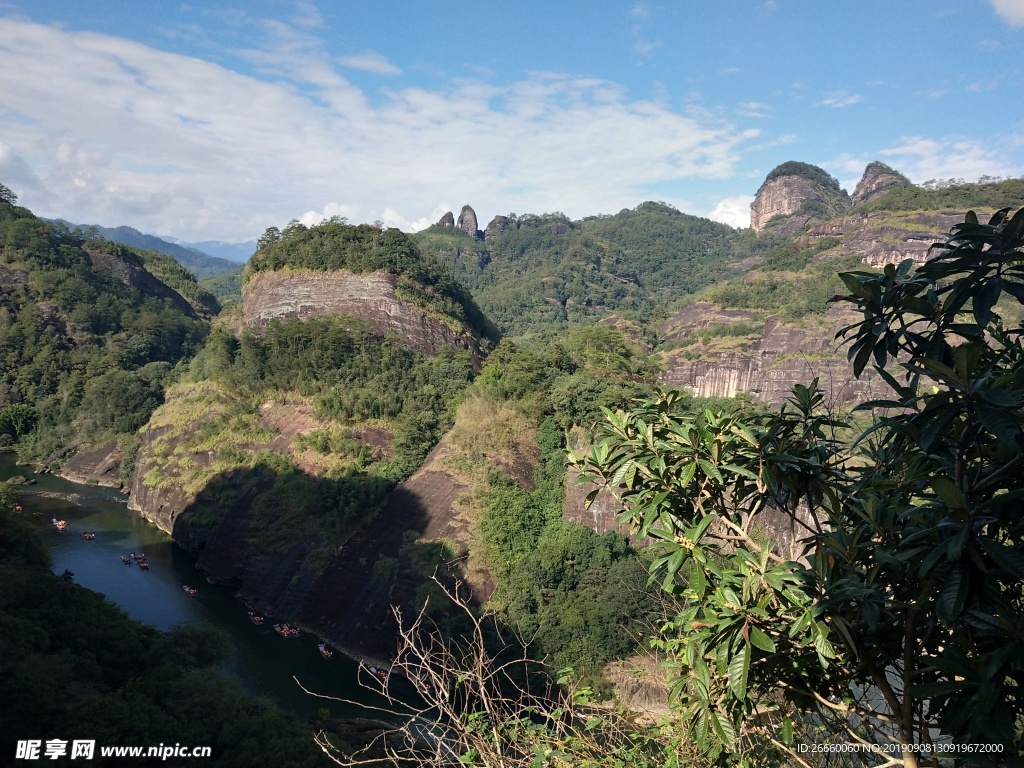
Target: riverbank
[(264, 662)]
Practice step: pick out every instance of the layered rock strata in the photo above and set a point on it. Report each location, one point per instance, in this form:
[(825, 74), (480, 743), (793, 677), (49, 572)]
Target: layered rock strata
[(371, 297), (772, 364)]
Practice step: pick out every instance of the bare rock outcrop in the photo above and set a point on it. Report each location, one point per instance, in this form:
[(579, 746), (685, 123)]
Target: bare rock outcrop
[(371, 297), (448, 220), (782, 357), (884, 237), (796, 188), (467, 222), (498, 225), (136, 278), (11, 279), (99, 466), (878, 179), (779, 197)]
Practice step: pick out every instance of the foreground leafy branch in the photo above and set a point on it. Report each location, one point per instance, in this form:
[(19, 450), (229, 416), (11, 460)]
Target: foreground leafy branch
[(896, 617)]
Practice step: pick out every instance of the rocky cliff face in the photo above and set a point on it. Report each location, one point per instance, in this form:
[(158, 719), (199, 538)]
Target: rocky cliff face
[(770, 365), (467, 222), (371, 297), (342, 593), (160, 504), (779, 197), (882, 237), (136, 278), (796, 188), (497, 225), (878, 179)]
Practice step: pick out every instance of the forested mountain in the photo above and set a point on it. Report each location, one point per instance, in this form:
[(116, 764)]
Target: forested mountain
[(774, 325), (381, 405), (548, 271), (198, 262), (89, 334), (225, 287)]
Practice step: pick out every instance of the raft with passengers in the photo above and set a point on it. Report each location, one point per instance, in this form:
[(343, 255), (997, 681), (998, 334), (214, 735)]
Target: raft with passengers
[(285, 630)]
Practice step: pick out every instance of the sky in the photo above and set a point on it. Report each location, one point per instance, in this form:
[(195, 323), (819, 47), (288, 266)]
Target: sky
[(214, 120)]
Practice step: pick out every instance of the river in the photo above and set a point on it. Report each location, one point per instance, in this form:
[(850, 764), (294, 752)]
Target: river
[(264, 662)]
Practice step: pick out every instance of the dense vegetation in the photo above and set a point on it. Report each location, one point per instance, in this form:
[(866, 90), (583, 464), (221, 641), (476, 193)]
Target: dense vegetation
[(226, 287), (580, 596), (173, 274), (88, 336), (89, 351), (365, 248), (201, 265), (548, 272), (75, 666), (953, 194), (898, 616), (348, 379), (784, 287)]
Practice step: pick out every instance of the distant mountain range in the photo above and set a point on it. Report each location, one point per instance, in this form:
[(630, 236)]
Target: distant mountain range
[(194, 256), (237, 252)]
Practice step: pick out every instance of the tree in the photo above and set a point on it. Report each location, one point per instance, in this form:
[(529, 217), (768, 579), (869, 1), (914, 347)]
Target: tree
[(7, 195), (17, 419), (10, 497), (900, 615)]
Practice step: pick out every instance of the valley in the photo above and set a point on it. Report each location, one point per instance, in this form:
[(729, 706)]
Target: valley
[(375, 416)]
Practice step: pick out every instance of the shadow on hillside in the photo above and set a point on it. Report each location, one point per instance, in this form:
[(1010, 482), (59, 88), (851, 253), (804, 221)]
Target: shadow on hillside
[(295, 549)]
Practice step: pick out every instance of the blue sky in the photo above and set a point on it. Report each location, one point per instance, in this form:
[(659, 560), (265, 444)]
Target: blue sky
[(215, 120)]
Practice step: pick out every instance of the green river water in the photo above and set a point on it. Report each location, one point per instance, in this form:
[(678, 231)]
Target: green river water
[(264, 662)]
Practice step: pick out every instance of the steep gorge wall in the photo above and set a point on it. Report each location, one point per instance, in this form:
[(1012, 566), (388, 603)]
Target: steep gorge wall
[(371, 297), (882, 237), (785, 355), (780, 197), (771, 365)]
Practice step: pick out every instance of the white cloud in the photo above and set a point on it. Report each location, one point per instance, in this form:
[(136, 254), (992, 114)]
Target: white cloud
[(16, 173), (923, 159), (373, 62), (755, 109), (646, 46), (118, 132), (734, 211), (1010, 11), (840, 99), (307, 15)]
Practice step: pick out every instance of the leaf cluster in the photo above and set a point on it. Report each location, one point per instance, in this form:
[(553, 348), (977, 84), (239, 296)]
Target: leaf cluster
[(900, 616)]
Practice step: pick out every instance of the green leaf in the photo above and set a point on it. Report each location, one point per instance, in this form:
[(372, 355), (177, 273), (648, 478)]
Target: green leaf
[(822, 645), (723, 727), (739, 666), (698, 581), (953, 595), (760, 640), (787, 731), (985, 299), (948, 491), (1009, 559), (710, 470)]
